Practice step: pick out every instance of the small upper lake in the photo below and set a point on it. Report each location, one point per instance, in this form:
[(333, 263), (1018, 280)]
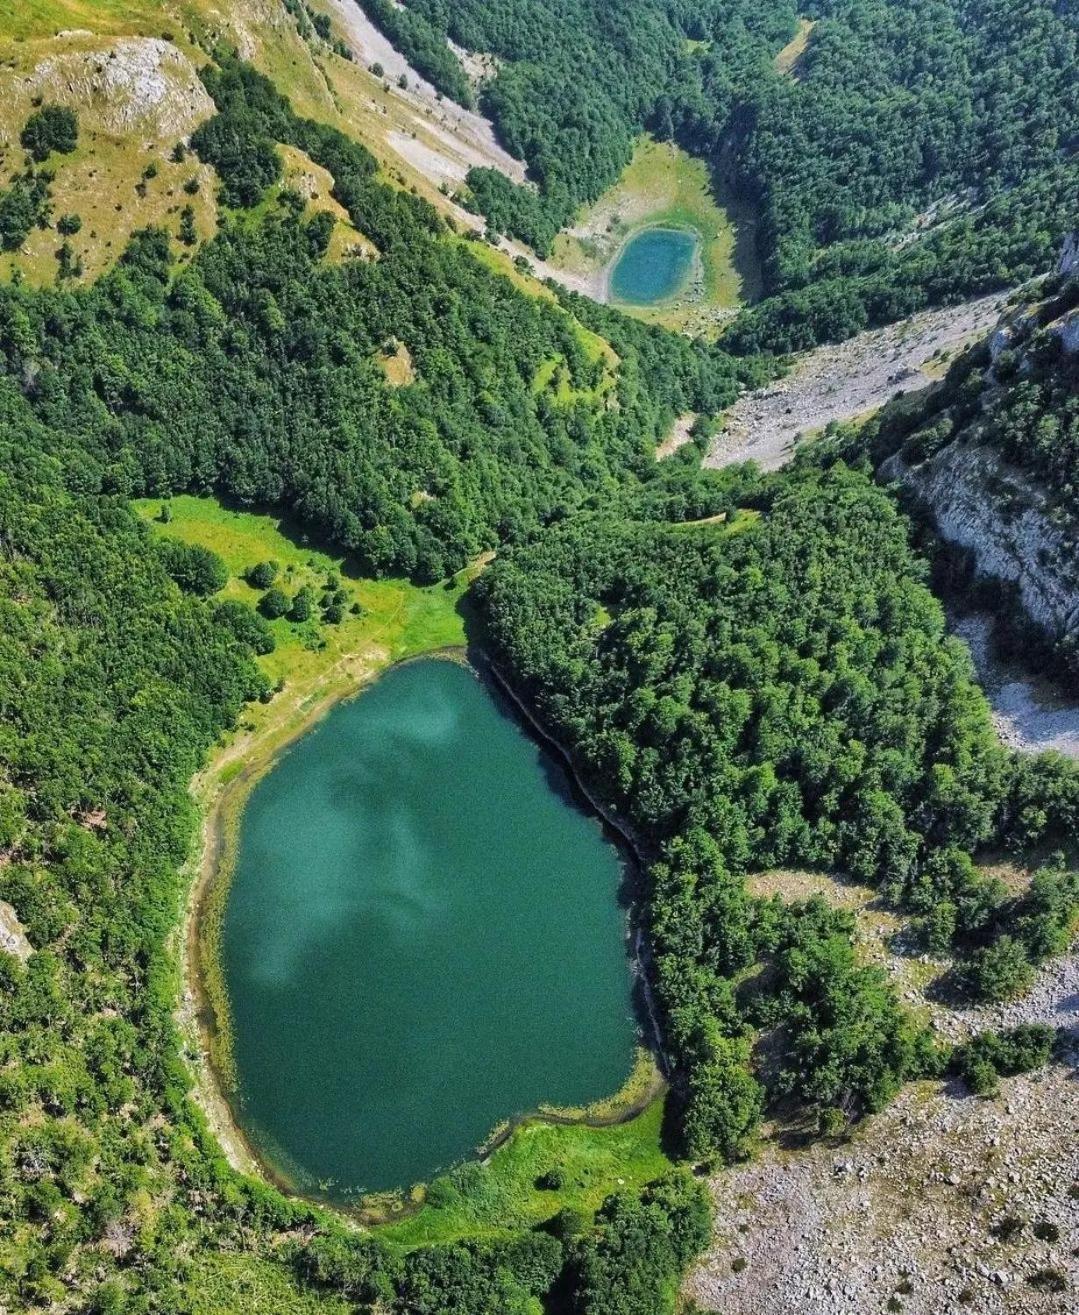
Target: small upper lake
[(654, 265), (423, 937)]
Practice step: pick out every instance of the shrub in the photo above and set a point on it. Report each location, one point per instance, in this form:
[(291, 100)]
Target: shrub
[(195, 569), (274, 603), (189, 234), (1000, 971), (246, 625), (723, 1105), (51, 128), (301, 606), (262, 575), (993, 1055)]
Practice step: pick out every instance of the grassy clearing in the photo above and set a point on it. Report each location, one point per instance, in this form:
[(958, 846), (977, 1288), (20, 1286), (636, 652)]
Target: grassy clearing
[(221, 1282), (315, 184), (877, 927), (500, 262), (22, 20), (501, 1195), (397, 365), (743, 519), (102, 183), (788, 58), (662, 185), (553, 374), (121, 178), (398, 619)]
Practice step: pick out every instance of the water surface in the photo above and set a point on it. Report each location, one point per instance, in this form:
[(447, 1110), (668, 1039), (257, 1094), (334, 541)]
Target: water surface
[(423, 937), (653, 265)]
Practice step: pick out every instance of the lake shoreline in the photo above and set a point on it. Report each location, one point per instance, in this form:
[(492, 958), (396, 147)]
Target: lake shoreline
[(694, 274), (204, 1010)]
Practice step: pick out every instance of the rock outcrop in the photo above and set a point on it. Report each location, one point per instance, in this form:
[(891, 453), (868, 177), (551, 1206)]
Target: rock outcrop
[(12, 937), (1014, 527), (142, 84), (1007, 522)]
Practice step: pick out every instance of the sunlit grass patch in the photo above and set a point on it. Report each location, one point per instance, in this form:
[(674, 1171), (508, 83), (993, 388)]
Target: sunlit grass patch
[(229, 1284), (542, 1169), (395, 618)]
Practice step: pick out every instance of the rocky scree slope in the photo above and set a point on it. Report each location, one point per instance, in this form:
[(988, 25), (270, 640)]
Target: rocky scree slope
[(987, 457)]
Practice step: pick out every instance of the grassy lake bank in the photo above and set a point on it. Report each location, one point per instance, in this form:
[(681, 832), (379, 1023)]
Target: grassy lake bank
[(399, 621)]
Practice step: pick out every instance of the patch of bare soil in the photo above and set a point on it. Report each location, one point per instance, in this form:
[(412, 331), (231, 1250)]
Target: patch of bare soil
[(845, 381), (681, 433), (944, 1203)]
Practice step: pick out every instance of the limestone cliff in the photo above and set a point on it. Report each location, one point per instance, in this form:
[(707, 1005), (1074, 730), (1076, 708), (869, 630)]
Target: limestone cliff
[(1013, 522), (1007, 522)]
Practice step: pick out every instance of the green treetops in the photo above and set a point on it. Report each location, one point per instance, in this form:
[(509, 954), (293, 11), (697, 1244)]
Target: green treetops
[(51, 128)]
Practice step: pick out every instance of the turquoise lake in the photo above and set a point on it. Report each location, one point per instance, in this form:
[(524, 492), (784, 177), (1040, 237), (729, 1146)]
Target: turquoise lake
[(653, 265), (423, 937)]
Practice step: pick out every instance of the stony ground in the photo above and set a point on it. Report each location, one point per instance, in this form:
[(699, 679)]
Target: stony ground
[(845, 381), (944, 1203), (1028, 714)]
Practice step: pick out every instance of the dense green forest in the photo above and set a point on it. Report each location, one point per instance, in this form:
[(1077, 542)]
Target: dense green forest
[(252, 370), (772, 689), (960, 112), (782, 693)]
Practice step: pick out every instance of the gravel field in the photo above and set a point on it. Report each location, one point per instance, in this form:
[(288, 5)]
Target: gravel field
[(912, 1214), (841, 382), (1027, 713)]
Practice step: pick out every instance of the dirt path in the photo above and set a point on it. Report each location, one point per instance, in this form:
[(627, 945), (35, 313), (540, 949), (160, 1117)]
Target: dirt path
[(844, 381)]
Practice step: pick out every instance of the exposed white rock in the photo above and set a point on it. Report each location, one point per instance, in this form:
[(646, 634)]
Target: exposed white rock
[(136, 83), (1067, 330), (1009, 524), (844, 381), (12, 937)]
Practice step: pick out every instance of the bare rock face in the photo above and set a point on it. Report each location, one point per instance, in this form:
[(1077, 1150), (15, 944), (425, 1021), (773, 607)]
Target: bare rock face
[(1067, 330), (12, 937), (1069, 259), (139, 84), (1015, 530), (1009, 524)]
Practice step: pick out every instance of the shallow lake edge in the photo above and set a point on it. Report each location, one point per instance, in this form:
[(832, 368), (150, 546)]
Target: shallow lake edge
[(694, 269), (205, 1011)]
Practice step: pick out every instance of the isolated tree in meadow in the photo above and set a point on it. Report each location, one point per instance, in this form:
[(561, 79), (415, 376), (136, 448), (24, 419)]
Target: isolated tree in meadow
[(262, 575), (51, 128), (274, 603)]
